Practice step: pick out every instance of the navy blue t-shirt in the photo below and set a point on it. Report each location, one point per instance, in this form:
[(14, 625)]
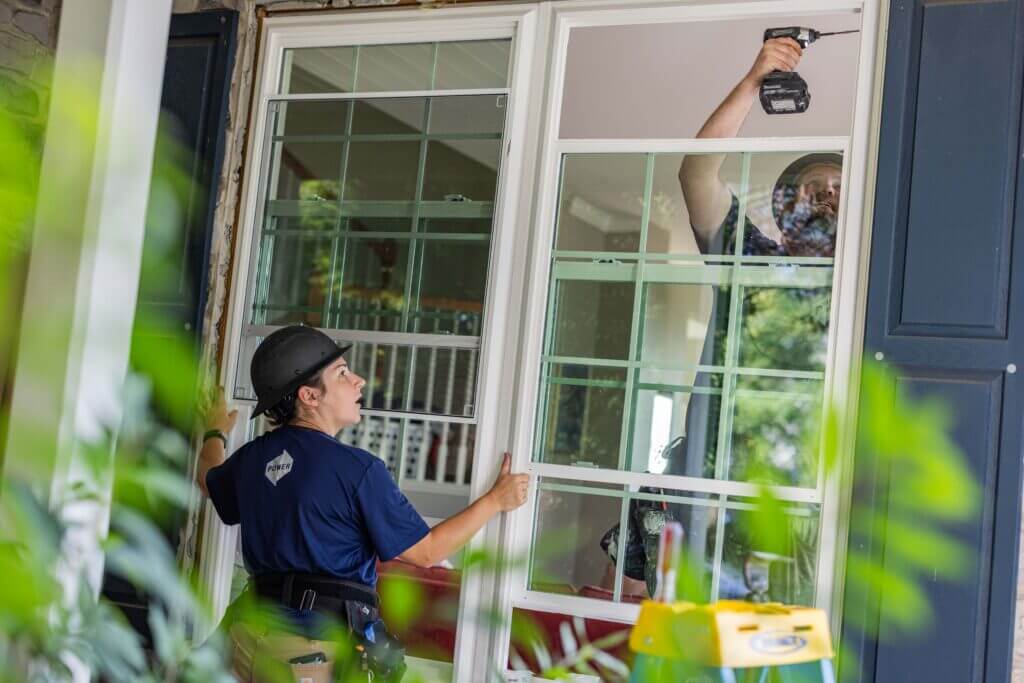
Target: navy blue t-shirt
[(308, 503)]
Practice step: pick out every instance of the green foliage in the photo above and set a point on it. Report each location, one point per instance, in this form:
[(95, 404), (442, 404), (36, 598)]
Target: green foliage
[(45, 613)]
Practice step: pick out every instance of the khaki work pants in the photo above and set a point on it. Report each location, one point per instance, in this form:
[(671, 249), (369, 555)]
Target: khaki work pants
[(263, 658)]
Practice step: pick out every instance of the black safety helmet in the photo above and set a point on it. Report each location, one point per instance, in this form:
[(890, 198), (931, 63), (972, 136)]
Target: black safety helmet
[(786, 186), (286, 359)]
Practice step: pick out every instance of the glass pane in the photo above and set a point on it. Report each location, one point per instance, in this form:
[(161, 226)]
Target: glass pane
[(793, 199), (471, 114), (583, 416), (649, 510), (359, 224), (243, 382), (329, 117), (591, 319), (444, 381), (476, 226), (373, 284), (675, 429), (763, 563), (319, 69), (382, 171), (774, 431), (297, 267), (461, 170), (440, 451), (395, 67), (451, 280), (684, 325), (393, 116), (472, 64), (307, 169), (385, 367), (567, 555), (669, 229), (601, 202), (785, 329)]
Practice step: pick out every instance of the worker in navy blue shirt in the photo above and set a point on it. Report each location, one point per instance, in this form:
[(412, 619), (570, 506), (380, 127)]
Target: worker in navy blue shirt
[(317, 514)]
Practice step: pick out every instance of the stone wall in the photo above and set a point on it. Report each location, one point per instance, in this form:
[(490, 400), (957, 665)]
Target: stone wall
[(28, 38)]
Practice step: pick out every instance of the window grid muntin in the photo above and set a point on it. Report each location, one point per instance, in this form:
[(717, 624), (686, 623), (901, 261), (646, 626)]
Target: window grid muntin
[(729, 273), (333, 309)]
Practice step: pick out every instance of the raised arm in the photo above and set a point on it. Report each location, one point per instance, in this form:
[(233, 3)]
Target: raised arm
[(706, 196), (508, 493)]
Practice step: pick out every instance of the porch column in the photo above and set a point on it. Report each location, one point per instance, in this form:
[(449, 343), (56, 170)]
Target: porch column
[(86, 252)]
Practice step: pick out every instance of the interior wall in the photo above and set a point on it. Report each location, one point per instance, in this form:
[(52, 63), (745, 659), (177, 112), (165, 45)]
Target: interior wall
[(663, 81)]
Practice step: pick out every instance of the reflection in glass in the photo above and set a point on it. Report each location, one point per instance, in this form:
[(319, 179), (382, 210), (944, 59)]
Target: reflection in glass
[(308, 170), (567, 556), (444, 382), (461, 170), (796, 197), (372, 295), (451, 279), (328, 117), (790, 202), (785, 328), (592, 319), (395, 67), (583, 420), (358, 224), (296, 285), (761, 563), (472, 64), (601, 202), (444, 452), (675, 430), (382, 171), (392, 116), (319, 69), (467, 114), (684, 325), (649, 511), (774, 430), (473, 226)]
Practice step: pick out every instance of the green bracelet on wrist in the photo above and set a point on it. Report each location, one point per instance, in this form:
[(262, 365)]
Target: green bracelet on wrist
[(216, 434)]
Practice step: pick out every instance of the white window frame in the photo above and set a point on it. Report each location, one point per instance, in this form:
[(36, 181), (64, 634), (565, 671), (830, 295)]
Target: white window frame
[(524, 209), (517, 22), (848, 291)]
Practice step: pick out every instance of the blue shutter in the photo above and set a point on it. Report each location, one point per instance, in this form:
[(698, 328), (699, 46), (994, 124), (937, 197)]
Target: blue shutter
[(946, 308)]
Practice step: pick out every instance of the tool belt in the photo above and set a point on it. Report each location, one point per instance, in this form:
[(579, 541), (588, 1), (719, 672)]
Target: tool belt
[(315, 592), (377, 651)]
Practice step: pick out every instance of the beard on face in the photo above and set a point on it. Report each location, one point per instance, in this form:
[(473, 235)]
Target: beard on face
[(808, 227)]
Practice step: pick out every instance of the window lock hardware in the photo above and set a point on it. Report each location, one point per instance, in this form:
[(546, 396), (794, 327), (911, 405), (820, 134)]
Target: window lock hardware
[(612, 261)]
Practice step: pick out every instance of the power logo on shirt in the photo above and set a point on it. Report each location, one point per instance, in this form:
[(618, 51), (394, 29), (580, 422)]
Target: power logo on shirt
[(279, 467)]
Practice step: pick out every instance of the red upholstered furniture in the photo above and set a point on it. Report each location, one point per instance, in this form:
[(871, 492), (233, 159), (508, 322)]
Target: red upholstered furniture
[(431, 631)]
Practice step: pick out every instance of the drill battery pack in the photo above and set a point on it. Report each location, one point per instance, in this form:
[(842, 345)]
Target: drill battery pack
[(784, 92)]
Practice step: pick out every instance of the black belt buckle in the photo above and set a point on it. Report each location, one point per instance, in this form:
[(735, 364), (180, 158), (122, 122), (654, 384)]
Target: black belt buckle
[(308, 598)]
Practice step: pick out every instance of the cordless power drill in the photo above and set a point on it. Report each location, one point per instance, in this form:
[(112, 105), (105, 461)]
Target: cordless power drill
[(785, 92)]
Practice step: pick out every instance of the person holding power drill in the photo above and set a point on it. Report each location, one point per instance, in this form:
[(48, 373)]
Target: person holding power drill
[(805, 200), (316, 514), (805, 206)]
